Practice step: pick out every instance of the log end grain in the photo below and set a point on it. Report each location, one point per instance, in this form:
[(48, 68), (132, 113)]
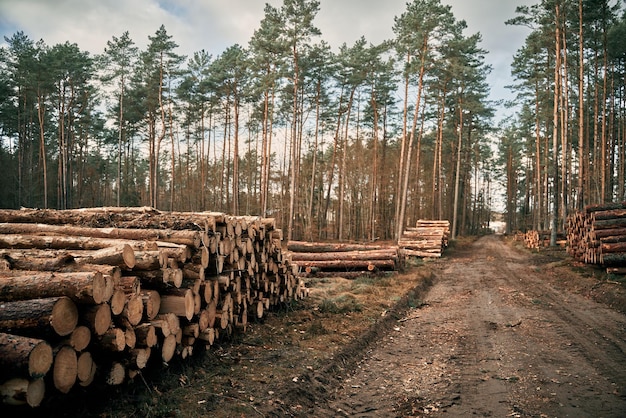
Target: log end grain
[(168, 348), (80, 338), (64, 316), (65, 369), (86, 369)]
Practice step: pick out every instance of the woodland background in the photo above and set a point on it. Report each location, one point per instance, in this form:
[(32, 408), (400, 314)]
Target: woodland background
[(351, 144)]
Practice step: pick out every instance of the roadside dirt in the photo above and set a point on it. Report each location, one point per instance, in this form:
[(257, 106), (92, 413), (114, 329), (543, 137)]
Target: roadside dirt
[(495, 338), (488, 330)]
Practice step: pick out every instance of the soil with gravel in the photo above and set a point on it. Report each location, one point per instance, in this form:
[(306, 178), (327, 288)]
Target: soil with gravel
[(495, 338)]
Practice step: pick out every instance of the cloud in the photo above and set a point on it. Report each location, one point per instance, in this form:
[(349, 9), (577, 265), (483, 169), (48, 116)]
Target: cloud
[(214, 25)]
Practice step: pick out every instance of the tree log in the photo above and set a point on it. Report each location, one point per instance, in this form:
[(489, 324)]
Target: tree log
[(145, 335), (85, 369), (20, 391), (98, 318), (185, 237), (369, 265), (179, 302), (80, 338), (322, 247), (24, 356), (65, 370), (39, 316), (121, 256), (347, 255), (81, 287), (151, 303)]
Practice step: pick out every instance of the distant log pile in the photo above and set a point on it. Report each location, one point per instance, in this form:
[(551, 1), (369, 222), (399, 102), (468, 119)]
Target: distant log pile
[(597, 235), (427, 239), (535, 239), (97, 293), (325, 257)]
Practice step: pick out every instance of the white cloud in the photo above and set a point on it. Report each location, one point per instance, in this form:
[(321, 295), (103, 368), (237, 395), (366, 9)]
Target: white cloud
[(214, 25)]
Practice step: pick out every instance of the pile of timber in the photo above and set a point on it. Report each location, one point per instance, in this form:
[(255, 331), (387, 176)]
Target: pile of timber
[(597, 235), (427, 239), (534, 239), (317, 258), (98, 293)]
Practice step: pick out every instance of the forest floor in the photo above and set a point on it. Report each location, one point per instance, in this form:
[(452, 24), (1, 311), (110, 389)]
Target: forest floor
[(491, 329)]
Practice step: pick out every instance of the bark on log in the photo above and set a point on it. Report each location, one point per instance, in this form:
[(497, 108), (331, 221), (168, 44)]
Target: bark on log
[(322, 247), (347, 255), (145, 335), (122, 256), (191, 238), (133, 310), (81, 287), (368, 265), (179, 302), (57, 315), (24, 357), (151, 303), (98, 318)]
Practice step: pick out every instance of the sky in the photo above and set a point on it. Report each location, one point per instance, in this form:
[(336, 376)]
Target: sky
[(214, 25)]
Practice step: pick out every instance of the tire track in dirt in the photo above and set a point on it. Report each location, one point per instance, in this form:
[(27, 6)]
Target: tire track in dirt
[(494, 339)]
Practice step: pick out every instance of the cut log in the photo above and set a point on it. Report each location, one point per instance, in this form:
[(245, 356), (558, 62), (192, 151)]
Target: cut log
[(122, 256), (145, 335), (65, 370), (168, 348), (613, 259), (85, 369), (39, 316), (116, 374), (151, 303), (81, 287), (369, 265), (323, 247), (133, 310), (24, 356), (179, 302), (80, 338), (139, 357), (98, 318), (113, 340), (21, 391), (191, 238), (347, 255)]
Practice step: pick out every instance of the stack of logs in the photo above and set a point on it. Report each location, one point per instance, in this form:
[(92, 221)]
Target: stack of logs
[(597, 235), (96, 293), (534, 239), (319, 258), (428, 238)]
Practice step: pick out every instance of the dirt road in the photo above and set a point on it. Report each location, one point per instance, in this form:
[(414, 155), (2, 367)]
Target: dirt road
[(493, 338)]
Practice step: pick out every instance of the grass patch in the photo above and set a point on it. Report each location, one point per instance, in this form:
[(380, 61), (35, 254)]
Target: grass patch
[(341, 304)]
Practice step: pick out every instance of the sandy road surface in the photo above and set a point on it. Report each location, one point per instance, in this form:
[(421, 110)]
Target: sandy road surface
[(493, 338)]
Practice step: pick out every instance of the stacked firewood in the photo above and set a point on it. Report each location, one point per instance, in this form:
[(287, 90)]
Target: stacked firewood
[(428, 238), (597, 235), (323, 257), (97, 293)]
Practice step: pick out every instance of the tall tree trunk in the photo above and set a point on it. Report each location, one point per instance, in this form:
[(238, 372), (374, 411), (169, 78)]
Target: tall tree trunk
[(555, 127), (399, 224), (457, 178), (342, 171), (581, 112), (41, 110)]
